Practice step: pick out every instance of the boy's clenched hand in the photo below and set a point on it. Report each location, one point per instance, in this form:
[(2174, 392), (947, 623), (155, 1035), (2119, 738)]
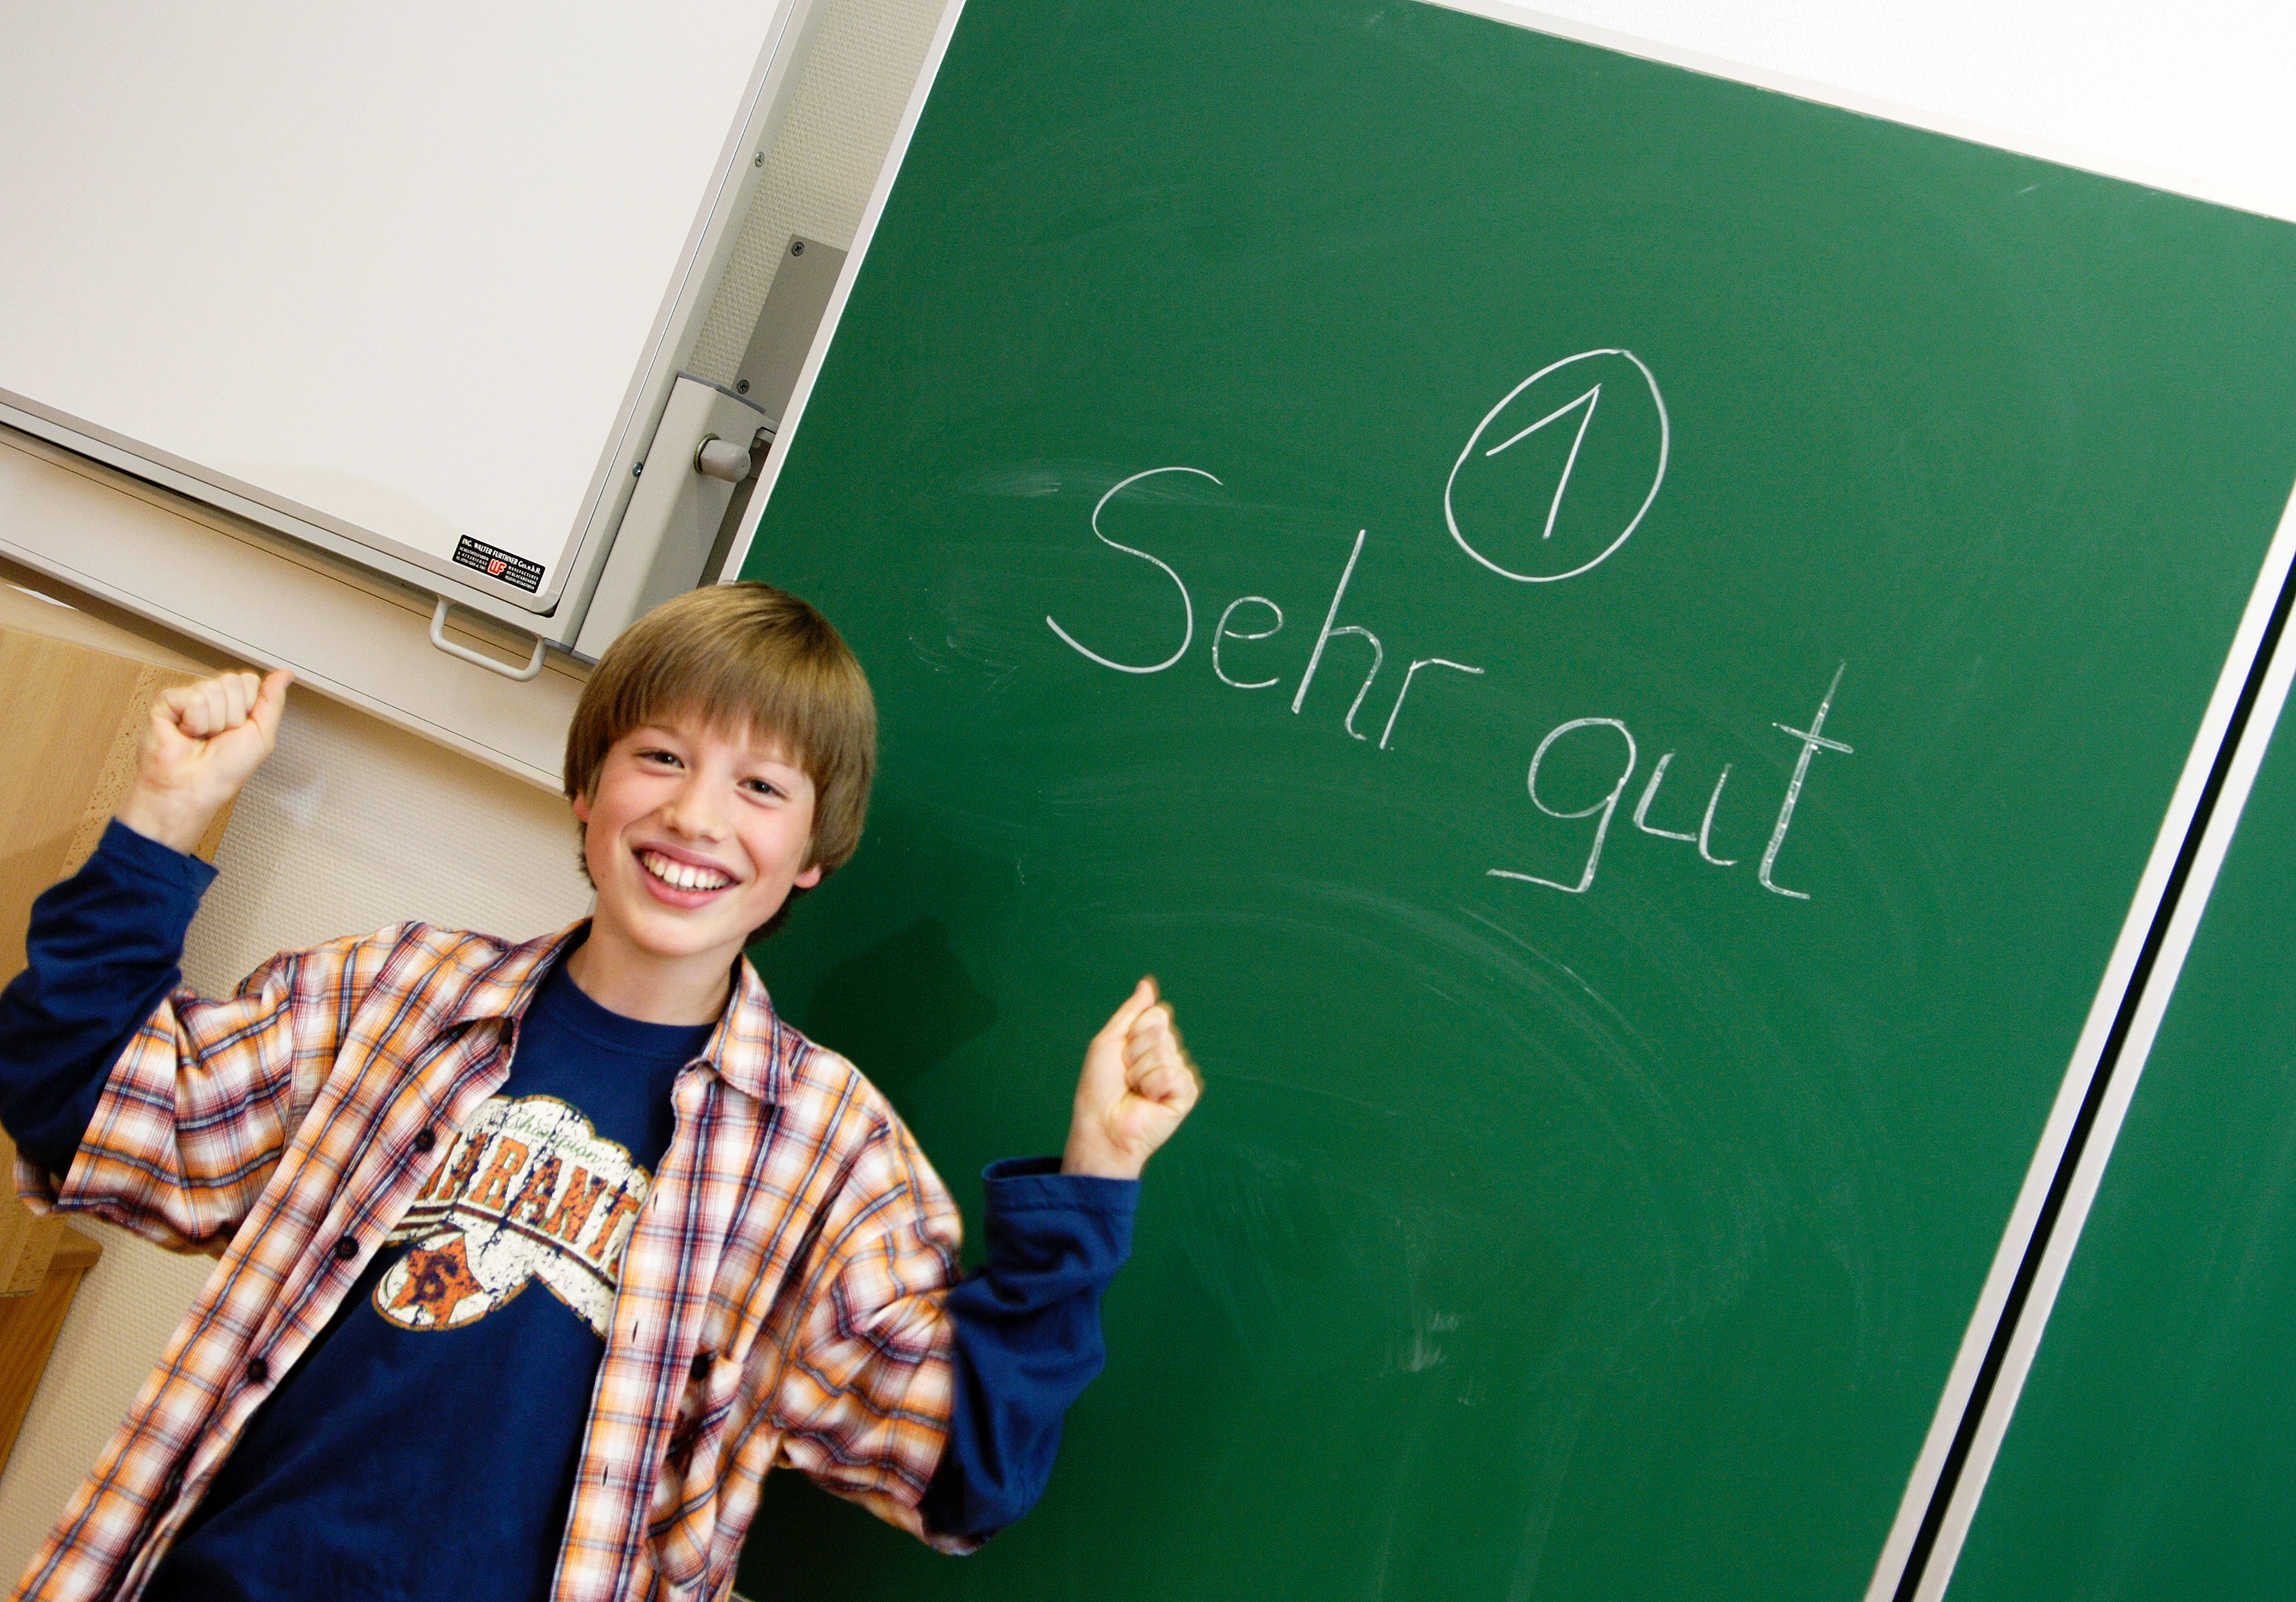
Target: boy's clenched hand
[(202, 742), (1137, 1085)]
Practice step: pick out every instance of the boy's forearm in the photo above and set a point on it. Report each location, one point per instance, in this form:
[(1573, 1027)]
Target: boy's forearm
[(167, 818), (102, 954)]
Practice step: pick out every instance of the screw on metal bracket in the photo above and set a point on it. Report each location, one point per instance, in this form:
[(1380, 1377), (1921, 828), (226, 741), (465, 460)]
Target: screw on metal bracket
[(741, 387), (797, 247), (636, 469), (759, 159)]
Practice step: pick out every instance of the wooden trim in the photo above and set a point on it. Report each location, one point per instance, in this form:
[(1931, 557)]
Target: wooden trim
[(73, 716), (30, 1324)]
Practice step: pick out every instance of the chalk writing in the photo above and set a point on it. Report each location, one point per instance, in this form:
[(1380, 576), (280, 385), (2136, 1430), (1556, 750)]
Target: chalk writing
[(1330, 634), (1387, 733), (1188, 606), (1589, 400), (1562, 481), (1227, 633), (1706, 825), (1649, 792), (1812, 743), (1607, 805), (1705, 835)]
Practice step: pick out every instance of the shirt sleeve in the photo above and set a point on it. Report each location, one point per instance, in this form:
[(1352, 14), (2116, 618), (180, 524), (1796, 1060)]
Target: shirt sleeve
[(1027, 1338), (101, 955), (177, 1135), (861, 1402)]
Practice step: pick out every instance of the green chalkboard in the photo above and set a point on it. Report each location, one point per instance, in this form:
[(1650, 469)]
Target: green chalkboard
[(2149, 1454), (1579, 1209)]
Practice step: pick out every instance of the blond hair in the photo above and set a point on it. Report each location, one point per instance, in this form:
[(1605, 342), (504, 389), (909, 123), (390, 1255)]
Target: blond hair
[(741, 658)]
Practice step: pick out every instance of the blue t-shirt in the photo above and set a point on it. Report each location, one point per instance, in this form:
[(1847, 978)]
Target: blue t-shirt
[(453, 1383)]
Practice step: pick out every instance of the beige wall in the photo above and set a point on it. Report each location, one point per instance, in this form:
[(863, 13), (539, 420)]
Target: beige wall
[(351, 825)]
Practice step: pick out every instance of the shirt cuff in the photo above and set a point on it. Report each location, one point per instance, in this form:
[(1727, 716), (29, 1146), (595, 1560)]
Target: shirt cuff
[(1026, 1184), (173, 872)]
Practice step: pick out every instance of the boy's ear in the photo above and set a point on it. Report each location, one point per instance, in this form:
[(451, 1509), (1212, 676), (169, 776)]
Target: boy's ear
[(582, 809), (808, 878)]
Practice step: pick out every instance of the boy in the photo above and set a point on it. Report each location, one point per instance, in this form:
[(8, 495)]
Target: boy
[(744, 1258)]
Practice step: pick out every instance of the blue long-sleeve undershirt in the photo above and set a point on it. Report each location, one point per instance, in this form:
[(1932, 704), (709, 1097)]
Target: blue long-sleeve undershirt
[(103, 951), (100, 954), (1028, 1336)]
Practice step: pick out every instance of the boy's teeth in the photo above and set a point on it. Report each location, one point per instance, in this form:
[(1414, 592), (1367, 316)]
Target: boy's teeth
[(683, 877)]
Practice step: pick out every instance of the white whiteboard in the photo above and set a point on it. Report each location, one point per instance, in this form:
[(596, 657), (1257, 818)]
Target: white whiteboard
[(403, 271)]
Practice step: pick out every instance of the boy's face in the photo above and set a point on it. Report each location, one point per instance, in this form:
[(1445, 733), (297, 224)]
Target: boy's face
[(694, 837)]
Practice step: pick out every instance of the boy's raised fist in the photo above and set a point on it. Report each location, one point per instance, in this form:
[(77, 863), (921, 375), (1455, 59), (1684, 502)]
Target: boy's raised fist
[(1138, 1083), (202, 742)]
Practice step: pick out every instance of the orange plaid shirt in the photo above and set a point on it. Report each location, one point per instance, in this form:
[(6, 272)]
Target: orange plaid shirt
[(782, 1298)]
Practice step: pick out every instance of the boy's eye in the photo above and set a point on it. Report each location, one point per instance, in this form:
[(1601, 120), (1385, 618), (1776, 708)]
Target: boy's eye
[(658, 757)]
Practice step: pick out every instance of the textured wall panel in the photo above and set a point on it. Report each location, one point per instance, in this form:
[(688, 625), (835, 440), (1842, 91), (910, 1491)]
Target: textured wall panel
[(353, 824), (821, 169)]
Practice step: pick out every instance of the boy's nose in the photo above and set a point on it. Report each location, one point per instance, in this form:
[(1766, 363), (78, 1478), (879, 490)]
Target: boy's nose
[(694, 813)]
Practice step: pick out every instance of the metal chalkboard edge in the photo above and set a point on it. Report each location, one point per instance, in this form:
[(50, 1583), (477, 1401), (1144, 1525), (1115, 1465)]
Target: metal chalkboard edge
[(2045, 1226)]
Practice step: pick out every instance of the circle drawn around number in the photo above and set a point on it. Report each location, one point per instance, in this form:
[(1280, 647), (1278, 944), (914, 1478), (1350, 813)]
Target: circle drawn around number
[(1589, 400)]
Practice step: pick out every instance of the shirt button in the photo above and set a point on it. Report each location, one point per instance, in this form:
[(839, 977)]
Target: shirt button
[(346, 1249), (258, 1370), (702, 1363), (425, 1140)]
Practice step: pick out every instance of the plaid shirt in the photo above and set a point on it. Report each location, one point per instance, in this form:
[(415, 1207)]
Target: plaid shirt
[(782, 1290)]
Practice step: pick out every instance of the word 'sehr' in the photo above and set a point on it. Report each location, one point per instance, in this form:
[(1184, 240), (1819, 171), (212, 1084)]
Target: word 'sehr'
[(1227, 633)]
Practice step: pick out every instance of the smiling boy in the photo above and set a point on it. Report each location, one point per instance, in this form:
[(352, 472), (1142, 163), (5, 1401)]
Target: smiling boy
[(535, 1258)]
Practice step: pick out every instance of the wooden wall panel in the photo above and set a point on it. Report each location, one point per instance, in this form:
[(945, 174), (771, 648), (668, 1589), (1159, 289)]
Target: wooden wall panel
[(70, 716)]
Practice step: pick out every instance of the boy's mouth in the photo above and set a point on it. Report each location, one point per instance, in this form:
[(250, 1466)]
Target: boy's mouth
[(682, 876)]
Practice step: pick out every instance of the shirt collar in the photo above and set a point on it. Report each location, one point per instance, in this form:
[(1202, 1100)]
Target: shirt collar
[(750, 1050)]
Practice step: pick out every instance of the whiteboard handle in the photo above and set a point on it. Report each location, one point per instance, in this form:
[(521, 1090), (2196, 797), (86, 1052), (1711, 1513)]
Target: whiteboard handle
[(439, 638)]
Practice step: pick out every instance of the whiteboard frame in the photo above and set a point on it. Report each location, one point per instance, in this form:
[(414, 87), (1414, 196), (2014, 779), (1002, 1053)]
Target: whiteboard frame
[(1947, 1505), (555, 613), (94, 536)]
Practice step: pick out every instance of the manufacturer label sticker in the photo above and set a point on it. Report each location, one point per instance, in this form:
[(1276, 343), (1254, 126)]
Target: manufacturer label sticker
[(511, 569)]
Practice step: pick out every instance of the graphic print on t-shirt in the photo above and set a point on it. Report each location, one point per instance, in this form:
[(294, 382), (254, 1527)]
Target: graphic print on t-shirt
[(531, 1191)]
